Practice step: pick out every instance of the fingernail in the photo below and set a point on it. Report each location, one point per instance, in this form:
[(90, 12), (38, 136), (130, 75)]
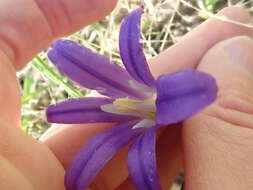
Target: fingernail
[(239, 52)]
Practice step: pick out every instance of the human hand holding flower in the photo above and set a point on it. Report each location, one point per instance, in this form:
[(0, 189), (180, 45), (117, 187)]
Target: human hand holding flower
[(24, 154)]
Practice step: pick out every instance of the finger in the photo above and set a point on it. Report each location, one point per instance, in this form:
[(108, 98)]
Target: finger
[(75, 137), (188, 52), (22, 34), (66, 140), (30, 161), (218, 142), (13, 176), (25, 33), (18, 152), (9, 92)]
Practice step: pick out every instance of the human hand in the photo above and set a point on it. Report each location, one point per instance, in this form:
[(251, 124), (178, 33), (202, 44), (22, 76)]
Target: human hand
[(28, 26), (31, 164), (184, 56)]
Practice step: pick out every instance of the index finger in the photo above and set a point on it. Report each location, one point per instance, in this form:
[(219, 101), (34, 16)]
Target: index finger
[(31, 25)]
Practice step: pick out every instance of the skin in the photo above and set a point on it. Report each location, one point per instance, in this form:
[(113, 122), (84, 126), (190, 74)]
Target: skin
[(215, 146)]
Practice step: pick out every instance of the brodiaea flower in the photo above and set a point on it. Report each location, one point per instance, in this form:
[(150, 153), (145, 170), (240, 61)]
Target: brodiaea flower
[(137, 102)]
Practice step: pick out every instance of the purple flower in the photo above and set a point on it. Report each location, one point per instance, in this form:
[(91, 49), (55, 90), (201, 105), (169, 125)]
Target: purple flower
[(136, 101)]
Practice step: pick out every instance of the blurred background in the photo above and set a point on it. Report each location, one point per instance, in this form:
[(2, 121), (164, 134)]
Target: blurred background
[(164, 22)]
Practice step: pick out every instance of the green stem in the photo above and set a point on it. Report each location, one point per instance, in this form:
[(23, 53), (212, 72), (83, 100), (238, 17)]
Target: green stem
[(42, 67)]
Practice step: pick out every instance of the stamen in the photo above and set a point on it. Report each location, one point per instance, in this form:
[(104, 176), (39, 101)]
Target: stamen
[(145, 108)]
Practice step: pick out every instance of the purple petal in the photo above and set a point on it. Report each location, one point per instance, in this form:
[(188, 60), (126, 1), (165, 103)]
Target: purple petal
[(91, 70), (131, 49), (142, 162), (182, 94), (96, 153), (83, 110)]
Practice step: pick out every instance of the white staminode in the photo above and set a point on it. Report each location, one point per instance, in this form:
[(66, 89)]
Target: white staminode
[(145, 123), (110, 108), (145, 109)]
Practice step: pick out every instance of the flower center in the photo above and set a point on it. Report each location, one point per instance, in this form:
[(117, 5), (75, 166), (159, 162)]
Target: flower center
[(144, 108)]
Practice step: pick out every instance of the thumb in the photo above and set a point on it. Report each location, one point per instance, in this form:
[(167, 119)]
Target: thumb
[(218, 142)]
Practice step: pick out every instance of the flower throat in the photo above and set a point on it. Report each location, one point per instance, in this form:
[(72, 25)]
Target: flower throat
[(146, 108)]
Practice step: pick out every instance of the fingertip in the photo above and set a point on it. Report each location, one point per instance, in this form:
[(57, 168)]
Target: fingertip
[(235, 53), (65, 17), (191, 48), (236, 12), (66, 140), (105, 8)]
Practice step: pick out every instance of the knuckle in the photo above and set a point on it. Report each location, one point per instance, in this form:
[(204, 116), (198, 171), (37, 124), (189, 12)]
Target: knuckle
[(236, 99), (234, 106)]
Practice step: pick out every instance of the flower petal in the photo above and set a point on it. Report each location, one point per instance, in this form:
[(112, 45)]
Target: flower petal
[(182, 94), (131, 49), (96, 153), (142, 162), (83, 110), (91, 70)]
